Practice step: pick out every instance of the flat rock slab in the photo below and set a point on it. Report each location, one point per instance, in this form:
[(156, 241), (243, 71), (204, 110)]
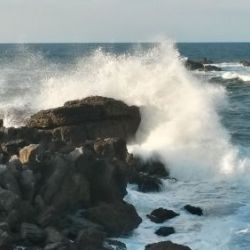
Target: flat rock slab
[(89, 118)]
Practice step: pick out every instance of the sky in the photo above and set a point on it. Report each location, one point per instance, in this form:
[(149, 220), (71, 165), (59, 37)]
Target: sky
[(124, 20)]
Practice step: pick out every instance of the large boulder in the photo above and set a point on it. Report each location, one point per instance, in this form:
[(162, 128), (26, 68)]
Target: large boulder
[(90, 239), (117, 218), (166, 245), (89, 118), (160, 215)]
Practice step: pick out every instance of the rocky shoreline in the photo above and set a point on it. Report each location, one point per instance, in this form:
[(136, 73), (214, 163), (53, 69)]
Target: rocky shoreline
[(63, 178)]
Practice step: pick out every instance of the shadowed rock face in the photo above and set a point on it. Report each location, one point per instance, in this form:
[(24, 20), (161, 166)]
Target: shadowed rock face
[(202, 66), (166, 245), (89, 118)]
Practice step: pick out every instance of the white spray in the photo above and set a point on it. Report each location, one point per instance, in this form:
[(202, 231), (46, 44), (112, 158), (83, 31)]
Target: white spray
[(180, 120)]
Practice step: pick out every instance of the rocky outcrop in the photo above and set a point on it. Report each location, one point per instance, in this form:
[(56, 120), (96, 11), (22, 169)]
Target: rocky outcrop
[(245, 63), (52, 194), (147, 175), (89, 118), (194, 65), (166, 245)]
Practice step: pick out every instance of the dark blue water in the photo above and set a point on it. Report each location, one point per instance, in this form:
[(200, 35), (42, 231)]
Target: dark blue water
[(218, 52)]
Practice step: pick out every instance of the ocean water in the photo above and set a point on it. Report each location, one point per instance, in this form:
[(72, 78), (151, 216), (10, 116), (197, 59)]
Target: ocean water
[(197, 123)]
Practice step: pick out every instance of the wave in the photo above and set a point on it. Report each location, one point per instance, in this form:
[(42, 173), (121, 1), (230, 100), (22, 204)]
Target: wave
[(180, 121), (234, 75), (180, 113)]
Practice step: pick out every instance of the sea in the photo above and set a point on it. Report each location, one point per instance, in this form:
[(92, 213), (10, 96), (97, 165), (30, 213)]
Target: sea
[(197, 123)]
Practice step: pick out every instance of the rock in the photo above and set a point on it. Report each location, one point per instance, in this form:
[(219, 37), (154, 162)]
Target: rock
[(32, 233), (64, 187), (166, 245), (53, 236), (8, 180), (160, 215), (23, 213), (147, 183), (12, 147), (114, 245), (193, 65), (8, 200), (194, 210), (28, 184), (60, 246), (72, 224), (106, 176), (165, 231), (24, 135), (207, 61), (89, 118), (211, 68), (111, 147), (5, 240), (90, 239), (29, 154), (245, 63), (116, 218), (15, 165), (151, 167)]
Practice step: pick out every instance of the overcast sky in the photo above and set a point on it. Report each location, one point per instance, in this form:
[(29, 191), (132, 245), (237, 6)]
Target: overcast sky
[(124, 20)]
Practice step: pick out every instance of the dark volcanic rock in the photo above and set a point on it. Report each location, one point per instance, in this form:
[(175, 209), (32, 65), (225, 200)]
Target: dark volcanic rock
[(165, 231), (194, 210), (160, 215), (5, 238), (151, 167), (193, 65), (116, 218), (211, 68), (32, 233), (146, 174), (114, 245), (89, 118), (245, 63), (148, 183), (90, 239), (12, 147), (166, 245)]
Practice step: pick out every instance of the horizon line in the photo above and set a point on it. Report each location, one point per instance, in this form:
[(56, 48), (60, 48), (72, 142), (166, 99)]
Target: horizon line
[(104, 42)]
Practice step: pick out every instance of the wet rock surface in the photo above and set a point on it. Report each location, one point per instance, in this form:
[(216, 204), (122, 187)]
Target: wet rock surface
[(165, 231), (63, 178), (60, 189), (89, 118), (160, 215), (194, 210), (201, 66), (166, 245)]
